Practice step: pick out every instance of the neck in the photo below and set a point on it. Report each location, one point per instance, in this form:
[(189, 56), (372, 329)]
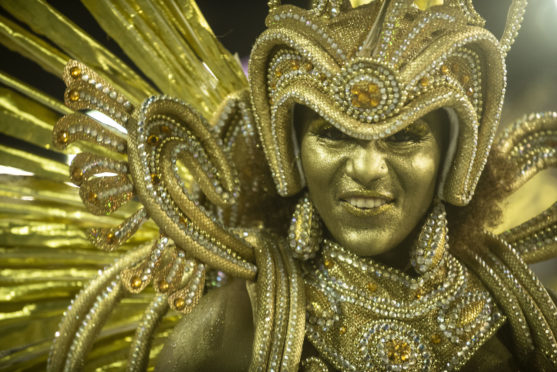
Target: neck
[(399, 256)]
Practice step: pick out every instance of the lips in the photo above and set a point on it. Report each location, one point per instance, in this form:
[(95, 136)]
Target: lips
[(365, 203)]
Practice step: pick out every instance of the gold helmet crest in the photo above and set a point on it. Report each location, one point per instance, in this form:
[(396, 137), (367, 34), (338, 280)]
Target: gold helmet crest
[(373, 69)]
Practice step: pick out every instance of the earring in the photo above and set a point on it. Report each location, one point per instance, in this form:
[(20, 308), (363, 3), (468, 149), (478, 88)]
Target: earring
[(305, 232), (433, 240)]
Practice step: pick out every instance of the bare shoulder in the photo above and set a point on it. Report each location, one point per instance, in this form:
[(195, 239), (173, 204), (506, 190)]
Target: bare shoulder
[(216, 336)]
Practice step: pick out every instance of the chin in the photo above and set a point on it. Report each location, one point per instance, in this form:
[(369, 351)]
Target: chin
[(366, 247)]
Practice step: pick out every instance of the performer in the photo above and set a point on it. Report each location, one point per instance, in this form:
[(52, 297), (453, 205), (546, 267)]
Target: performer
[(333, 215)]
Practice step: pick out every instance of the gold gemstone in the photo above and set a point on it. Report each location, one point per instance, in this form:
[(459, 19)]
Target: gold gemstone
[(363, 98), (419, 293), (155, 179), (355, 91), (372, 88), (63, 137), (308, 66), (110, 238), (398, 351), (92, 197), (465, 79), (179, 303), (295, 65), (77, 174), (342, 330), (135, 282), (73, 95), (424, 82), (75, 72), (372, 287), (163, 285), (153, 140), (436, 338), (469, 92), (445, 69), (328, 263), (165, 129), (278, 73), (365, 95)]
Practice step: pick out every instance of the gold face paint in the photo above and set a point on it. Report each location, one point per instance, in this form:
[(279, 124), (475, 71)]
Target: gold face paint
[(372, 194)]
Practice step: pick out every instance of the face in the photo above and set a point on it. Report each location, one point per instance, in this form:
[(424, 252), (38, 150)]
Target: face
[(371, 194)]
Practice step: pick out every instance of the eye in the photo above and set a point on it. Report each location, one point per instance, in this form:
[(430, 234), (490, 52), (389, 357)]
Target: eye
[(414, 133), (328, 132)]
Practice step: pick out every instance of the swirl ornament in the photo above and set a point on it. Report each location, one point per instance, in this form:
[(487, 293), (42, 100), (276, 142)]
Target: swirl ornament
[(172, 142), (155, 156), (393, 346), (367, 90)]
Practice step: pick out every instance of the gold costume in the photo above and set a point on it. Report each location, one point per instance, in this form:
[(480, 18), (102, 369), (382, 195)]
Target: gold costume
[(196, 200)]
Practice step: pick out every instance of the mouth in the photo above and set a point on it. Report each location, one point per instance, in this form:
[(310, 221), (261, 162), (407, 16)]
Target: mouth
[(366, 205)]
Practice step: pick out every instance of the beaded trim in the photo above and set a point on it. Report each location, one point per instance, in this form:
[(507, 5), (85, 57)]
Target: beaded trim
[(432, 322)]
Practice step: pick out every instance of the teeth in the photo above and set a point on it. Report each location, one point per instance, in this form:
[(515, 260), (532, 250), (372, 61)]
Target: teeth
[(366, 202)]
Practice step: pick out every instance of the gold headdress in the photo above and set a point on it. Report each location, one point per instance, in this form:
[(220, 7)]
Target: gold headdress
[(373, 70)]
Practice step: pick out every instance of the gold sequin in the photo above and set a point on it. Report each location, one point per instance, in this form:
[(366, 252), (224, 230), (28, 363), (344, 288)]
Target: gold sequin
[(179, 303), (63, 137), (419, 293), (135, 282), (163, 285), (469, 92), (74, 95), (110, 238), (398, 351), (77, 174), (92, 197), (372, 287), (153, 140), (75, 72), (445, 70)]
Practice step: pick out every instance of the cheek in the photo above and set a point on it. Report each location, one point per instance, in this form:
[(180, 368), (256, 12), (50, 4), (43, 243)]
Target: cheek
[(317, 163), (424, 168)]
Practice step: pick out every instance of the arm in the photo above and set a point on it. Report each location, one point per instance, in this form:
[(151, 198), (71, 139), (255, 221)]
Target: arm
[(217, 335)]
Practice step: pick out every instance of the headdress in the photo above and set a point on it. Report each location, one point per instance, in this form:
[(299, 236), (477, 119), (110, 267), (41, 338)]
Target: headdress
[(374, 69)]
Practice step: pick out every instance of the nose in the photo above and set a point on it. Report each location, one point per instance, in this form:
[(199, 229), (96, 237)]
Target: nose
[(367, 163)]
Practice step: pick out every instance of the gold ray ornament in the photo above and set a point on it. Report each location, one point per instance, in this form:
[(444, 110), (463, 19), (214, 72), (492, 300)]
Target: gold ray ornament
[(426, 4)]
